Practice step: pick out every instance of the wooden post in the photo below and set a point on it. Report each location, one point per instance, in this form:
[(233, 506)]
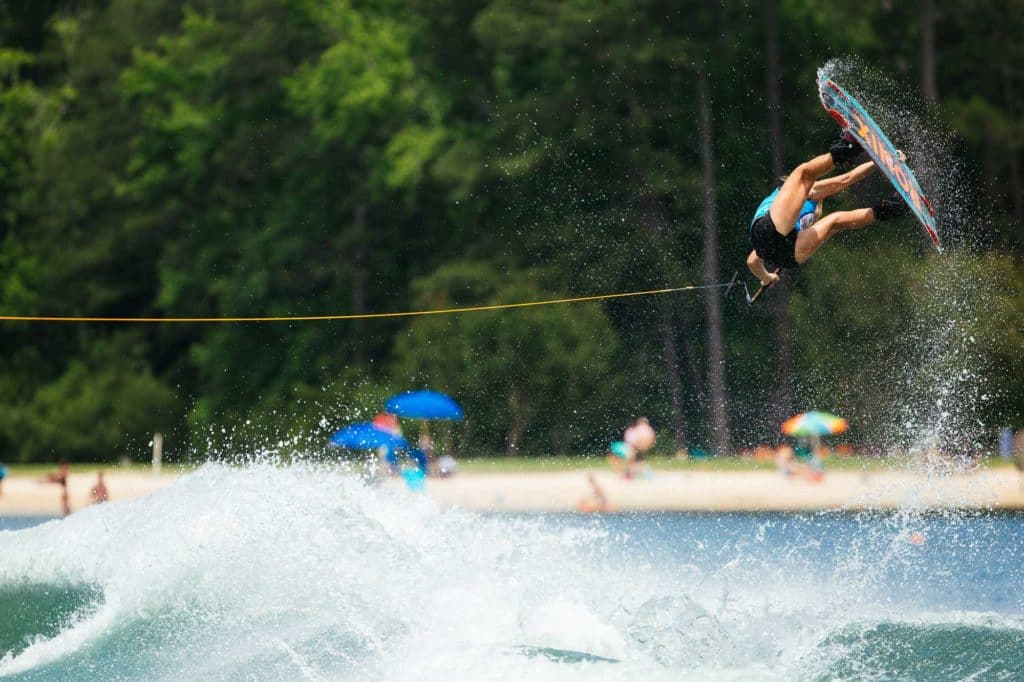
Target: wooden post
[(158, 452)]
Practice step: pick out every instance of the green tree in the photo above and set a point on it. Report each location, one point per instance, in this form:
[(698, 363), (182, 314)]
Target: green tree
[(288, 156), (299, 134), (102, 406), (539, 380)]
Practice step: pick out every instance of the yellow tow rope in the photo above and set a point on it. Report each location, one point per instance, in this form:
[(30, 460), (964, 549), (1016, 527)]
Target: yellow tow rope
[(364, 316)]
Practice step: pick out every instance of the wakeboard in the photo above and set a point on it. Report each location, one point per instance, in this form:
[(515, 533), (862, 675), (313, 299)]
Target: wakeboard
[(849, 114)]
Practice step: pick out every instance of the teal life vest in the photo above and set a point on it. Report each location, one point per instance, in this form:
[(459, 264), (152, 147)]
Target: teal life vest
[(808, 212)]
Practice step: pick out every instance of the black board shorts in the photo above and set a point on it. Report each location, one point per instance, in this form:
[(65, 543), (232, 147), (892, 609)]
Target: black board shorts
[(775, 250)]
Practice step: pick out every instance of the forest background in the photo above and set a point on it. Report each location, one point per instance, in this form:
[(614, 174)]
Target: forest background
[(314, 157)]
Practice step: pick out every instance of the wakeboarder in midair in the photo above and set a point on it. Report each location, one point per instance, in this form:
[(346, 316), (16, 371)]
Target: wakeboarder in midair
[(788, 226)]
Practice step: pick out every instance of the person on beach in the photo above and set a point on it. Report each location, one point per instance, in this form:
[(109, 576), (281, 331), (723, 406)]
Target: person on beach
[(620, 455), (421, 460), (788, 227), (597, 500), (425, 445), (99, 493), (446, 465), (787, 464), (640, 437), (60, 477)]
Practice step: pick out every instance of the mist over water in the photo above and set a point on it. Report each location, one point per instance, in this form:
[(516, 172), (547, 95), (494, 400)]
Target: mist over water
[(301, 572), (938, 385)]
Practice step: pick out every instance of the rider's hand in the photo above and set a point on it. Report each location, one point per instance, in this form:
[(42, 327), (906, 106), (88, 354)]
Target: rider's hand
[(899, 153), (771, 279)]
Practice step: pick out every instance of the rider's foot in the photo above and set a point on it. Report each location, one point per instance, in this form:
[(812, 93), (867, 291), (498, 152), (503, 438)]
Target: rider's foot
[(893, 207), (845, 150)]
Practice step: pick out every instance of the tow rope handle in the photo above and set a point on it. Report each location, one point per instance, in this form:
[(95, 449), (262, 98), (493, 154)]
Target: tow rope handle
[(751, 298)]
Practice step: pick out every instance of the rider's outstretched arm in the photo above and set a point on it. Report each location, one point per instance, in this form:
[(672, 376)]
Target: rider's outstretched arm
[(826, 187), (756, 266)]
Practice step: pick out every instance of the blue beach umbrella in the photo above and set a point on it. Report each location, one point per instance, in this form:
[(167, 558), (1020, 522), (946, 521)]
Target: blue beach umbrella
[(423, 405), (366, 436)]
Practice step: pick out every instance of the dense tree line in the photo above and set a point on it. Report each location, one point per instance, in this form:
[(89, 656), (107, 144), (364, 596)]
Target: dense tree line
[(290, 157)]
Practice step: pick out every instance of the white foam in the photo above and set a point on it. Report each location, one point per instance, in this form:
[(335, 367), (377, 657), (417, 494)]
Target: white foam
[(268, 572)]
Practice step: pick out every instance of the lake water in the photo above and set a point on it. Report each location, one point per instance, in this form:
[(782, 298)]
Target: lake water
[(271, 573)]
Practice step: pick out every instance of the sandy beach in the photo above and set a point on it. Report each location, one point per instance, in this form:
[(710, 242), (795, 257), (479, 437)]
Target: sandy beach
[(731, 491), (661, 490), (31, 496)]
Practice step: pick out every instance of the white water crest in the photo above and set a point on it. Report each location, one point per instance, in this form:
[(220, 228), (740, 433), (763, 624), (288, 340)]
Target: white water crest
[(303, 572)]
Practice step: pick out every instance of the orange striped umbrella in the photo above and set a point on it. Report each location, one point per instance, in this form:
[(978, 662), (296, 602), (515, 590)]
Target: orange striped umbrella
[(814, 424)]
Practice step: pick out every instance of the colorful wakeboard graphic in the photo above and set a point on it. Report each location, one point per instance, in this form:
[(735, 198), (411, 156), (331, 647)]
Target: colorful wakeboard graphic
[(849, 113)]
